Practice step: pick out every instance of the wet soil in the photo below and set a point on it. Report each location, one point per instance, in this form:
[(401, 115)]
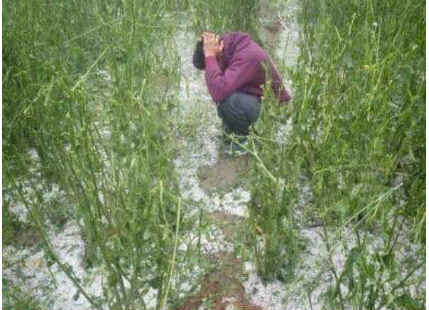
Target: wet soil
[(232, 226), (25, 236), (224, 174), (221, 287)]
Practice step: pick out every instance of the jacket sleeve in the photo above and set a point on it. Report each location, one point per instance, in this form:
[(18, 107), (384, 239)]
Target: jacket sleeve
[(222, 84)]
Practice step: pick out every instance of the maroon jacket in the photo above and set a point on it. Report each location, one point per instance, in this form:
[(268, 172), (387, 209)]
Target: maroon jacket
[(241, 68)]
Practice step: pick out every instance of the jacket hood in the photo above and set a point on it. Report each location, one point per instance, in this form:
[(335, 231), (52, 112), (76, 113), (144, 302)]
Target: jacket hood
[(233, 43)]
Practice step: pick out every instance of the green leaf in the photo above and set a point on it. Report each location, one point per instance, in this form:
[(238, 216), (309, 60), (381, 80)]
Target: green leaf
[(405, 301)]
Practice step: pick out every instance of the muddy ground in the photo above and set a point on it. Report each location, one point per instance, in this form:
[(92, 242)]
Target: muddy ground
[(223, 288)]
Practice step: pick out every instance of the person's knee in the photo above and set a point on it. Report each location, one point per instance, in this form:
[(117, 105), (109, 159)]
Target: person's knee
[(254, 112), (230, 99), (239, 111), (227, 109)]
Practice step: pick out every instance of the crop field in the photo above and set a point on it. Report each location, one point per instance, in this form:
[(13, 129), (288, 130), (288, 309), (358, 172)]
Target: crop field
[(117, 190)]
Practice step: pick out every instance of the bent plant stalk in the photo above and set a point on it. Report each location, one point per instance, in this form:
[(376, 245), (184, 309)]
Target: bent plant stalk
[(34, 211), (173, 259)]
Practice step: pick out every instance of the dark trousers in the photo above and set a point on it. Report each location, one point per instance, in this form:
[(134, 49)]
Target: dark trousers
[(238, 112)]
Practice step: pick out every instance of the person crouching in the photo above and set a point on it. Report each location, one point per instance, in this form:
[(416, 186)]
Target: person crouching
[(235, 73)]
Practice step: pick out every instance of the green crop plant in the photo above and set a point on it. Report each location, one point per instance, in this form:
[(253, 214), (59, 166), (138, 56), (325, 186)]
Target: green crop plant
[(222, 16), (356, 106), (10, 225), (274, 198), (359, 114), (17, 299), (89, 87), (357, 139)]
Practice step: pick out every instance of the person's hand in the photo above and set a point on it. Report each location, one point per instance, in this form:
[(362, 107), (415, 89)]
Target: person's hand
[(212, 45)]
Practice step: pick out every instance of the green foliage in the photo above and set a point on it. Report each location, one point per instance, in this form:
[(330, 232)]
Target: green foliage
[(88, 86), (373, 279), (14, 231), (357, 140), (274, 199), (360, 97), (38, 51), (406, 302), (10, 225), (14, 298), (222, 16)]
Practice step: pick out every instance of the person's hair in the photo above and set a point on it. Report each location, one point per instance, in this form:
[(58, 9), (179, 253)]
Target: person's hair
[(198, 59)]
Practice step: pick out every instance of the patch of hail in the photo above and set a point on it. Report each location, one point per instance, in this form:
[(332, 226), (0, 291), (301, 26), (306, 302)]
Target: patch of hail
[(313, 272), (210, 241), (48, 283), (201, 150)]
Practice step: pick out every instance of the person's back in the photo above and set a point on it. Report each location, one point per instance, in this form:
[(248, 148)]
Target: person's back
[(239, 48)]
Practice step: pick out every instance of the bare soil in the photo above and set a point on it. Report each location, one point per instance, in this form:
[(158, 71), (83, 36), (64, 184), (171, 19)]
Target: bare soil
[(224, 174), (221, 287), (232, 226)]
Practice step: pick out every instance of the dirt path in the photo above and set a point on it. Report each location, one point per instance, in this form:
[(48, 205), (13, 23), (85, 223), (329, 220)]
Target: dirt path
[(215, 183), (207, 178)]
